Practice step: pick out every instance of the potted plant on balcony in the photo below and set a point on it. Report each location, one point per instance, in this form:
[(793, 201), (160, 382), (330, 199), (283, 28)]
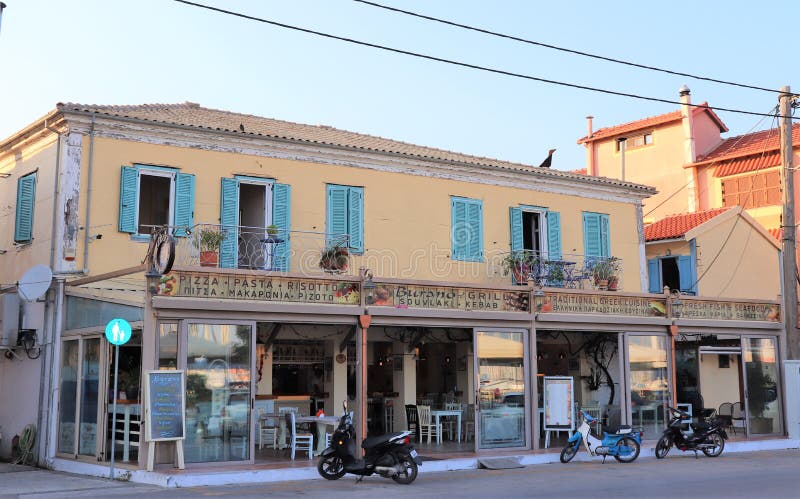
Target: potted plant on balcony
[(334, 258), (520, 264), (602, 272), (272, 230), (555, 275), (209, 241)]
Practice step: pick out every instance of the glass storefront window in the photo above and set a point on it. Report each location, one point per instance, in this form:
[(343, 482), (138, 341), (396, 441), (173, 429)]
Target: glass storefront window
[(69, 393), (502, 389), (761, 375), (218, 380), (649, 382), (90, 385), (167, 346)]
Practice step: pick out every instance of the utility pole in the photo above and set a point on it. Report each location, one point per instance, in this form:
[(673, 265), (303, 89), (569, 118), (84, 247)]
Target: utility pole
[(789, 230)]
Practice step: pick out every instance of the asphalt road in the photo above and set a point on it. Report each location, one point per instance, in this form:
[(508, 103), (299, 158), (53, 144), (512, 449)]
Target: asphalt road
[(753, 475)]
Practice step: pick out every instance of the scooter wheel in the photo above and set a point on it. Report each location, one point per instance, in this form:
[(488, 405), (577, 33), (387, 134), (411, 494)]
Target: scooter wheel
[(331, 468), (719, 445), (410, 473), (663, 446), (633, 444), (568, 453)]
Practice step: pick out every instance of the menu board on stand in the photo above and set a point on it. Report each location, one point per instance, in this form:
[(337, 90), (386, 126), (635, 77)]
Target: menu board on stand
[(558, 405), (164, 410)]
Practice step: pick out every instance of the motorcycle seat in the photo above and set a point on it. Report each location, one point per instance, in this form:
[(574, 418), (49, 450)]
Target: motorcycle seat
[(370, 442), (619, 430), (700, 426)]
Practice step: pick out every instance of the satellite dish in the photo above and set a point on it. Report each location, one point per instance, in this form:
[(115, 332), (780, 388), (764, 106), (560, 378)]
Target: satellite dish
[(35, 282)]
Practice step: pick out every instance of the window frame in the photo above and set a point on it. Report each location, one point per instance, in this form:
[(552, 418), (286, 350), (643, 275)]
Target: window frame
[(154, 171), (17, 208), (544, 242)]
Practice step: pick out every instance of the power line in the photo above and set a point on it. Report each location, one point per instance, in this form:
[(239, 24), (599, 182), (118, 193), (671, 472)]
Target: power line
[(464, 64), (562, 49)]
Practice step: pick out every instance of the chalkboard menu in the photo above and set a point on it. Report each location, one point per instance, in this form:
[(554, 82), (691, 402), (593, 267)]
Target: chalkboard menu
[(165, 405)]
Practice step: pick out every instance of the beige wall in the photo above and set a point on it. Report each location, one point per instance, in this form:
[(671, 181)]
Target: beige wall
[(719, 385), (41, 157), (659, 165), (407, 217)]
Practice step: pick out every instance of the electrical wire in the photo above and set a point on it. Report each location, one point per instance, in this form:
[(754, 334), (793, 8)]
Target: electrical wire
[(463, 64), (562, 49)]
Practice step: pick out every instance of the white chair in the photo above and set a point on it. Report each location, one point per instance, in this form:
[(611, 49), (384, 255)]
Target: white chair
[(298, 441), (267, 430), (469, 422), (426, 425), (449, 424), (388, 417)]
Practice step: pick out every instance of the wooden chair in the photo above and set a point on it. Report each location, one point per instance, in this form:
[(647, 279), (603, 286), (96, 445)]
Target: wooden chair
[(267, 430), (298, 441), (412, 420), (427, 425), (449, 424)]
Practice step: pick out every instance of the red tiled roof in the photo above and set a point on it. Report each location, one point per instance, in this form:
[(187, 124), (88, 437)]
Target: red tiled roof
[(674, 226), (748, 145), (650, 122), (581, 171), (776, 233), (748, 164)]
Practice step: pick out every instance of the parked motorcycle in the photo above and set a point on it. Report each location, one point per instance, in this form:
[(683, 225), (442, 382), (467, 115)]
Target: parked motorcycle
[(707, 436), (622, 443), (390, 456)]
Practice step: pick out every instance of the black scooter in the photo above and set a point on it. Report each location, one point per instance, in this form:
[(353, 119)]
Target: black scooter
[(708, 436), (390, 456)]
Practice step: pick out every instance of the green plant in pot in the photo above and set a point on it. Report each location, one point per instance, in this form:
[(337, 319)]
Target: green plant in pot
[(555, 275), (209, 241), (603, 270), (273, 230), (520, 264), (334, 258)]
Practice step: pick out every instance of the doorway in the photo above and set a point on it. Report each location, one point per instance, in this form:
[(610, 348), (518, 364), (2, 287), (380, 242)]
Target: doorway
[(255, 215)]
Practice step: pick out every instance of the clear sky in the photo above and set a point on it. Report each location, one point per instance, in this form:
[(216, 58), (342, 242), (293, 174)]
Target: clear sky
[(145, 51)]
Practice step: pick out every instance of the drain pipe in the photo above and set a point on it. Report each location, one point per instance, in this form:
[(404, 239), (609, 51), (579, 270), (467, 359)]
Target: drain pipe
[(88, 201), (56, 186), (621, 141), (54, 388)]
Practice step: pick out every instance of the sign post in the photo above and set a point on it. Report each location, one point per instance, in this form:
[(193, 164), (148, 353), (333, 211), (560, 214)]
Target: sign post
[(118, 332)]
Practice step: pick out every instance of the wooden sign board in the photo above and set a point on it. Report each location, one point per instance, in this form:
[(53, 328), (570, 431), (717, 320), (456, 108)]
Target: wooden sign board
[(558, 400), (165, 405)]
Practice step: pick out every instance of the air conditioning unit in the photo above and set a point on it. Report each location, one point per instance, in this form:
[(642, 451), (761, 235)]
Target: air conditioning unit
[(9, 319)]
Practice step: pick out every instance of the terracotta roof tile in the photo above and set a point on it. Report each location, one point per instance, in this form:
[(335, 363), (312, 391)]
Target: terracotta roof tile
[(748, 144), (650, 122), (193, 115), (776, 233), (748, 164), (674, 226), (581, 171)]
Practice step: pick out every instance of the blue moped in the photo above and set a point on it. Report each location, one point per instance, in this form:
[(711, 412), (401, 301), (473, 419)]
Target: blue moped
[(622, 443)]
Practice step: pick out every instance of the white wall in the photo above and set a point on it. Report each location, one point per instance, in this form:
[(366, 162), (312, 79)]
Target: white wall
[(718, 385)]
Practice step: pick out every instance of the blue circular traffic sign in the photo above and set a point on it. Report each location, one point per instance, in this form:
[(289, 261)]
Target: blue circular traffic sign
[(118, 331)]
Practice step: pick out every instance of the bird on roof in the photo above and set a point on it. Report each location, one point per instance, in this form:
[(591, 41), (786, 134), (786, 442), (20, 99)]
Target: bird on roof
[(241, 126), (548, 160)]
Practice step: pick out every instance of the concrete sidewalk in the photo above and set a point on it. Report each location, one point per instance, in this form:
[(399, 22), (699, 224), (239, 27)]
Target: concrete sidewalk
[(29, 482)]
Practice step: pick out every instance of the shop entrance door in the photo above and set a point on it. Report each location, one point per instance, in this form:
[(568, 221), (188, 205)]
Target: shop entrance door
[(648, 366), (80, 410), (502, 395), (219, 363), (762, 389)]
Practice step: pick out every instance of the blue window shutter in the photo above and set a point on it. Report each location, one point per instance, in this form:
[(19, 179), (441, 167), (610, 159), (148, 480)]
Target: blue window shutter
[(26, 198), (515, 217), (184, 203), (605, 236), (591, 235), (281, 210), (128, 195), (654, 275), (356, 219), (337, 218), (458, 229), (685, 274), (553, 235), (475, 225), (229, 221), (693, 256)]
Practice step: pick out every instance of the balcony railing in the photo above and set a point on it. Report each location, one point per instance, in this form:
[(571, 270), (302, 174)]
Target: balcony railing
[(569, 271), (265, 249)]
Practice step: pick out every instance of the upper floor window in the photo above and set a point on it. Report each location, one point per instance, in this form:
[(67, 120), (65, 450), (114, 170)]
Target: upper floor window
[(26, 198), (635, 141), (345, 215), (752, 191), (151, 196), (466, 229), (596, 234), (536, 230)]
